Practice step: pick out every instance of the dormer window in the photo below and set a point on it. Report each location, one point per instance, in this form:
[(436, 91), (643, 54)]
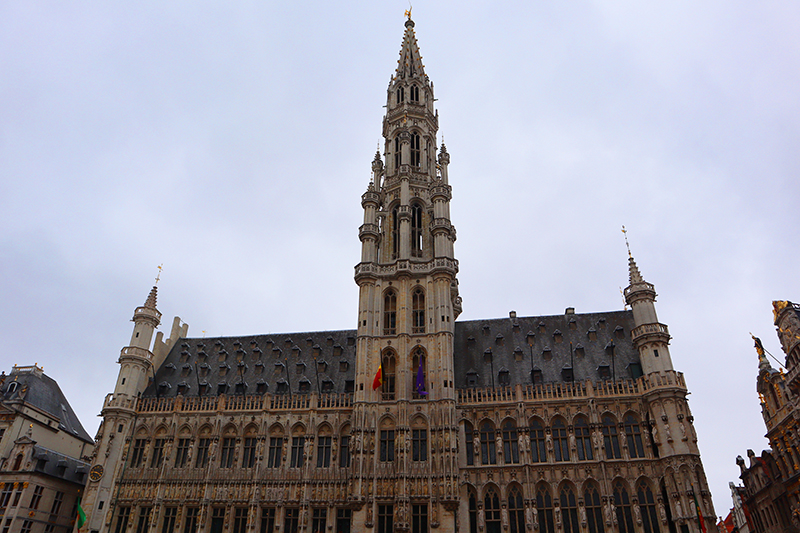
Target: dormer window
[(504, 378)]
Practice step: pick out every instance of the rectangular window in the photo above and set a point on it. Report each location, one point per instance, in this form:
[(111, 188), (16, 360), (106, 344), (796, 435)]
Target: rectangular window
[(201, 461), (344, 451), (319, 516), (249, 453), (5, 496), (226, 457), (275, 449), (217, 520), (123, 515), (298, 443), (267, 520), (138, 452), (170, 515), (144, 520), (387, 445), (419, 518), (419, 445), (17, 495), (239, 520), (343, 519), (7, 526), (290, 519), (37, 497), (190, 523), (50, 528), (323, 452), (182, 453), (57, 501), (26, 526), (385, 518), (158, 453)]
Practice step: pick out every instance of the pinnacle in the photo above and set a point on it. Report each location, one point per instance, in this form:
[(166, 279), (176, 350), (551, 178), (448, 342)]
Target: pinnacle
[(150, 303), (633, 270), (410, 63)]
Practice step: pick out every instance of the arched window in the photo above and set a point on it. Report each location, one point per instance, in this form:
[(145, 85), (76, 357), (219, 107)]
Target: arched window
[(538, 450), (419, 440), (419, 374), (560, 441), (647, 503), (473, 512), (623, 504), (516, 510), (569, 510), (18, 462), (416, 231), (488, 451), (470, 449), (510, 443), (544, 507), (594, 510), (395, 234), (414, 93), (401, 95), (610, 439), (415, 151), (491, 508), (583, 439), (390, 313), (386, 444), (418, 310), (634, 437), (388, 373)]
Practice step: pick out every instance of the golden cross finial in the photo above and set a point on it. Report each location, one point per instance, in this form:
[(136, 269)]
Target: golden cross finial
[(204, 333), (158, 278), (627, 245)]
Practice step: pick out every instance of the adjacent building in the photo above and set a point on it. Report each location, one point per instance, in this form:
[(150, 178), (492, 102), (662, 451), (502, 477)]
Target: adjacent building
[(44, 454), (771, 492), (412, 421)]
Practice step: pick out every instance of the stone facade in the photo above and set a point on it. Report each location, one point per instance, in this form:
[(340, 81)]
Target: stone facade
[(412, 421)]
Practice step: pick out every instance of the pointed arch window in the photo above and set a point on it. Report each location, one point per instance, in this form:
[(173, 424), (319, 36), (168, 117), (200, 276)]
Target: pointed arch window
[(560, 442), (470, 449), (488, 450), (516, 510), (510, 443), (491, 507), (623, 503), (390, 313), (583, 440), (610, 438), (416, 230), (538, 450), (594, 511), (414, 93), (473, 512), (634, 437), (419, 372), (388, 369), (569, 510), (415, 150), (544, 507), (395, 234), (418, 311), (401, 95), (647, 503)]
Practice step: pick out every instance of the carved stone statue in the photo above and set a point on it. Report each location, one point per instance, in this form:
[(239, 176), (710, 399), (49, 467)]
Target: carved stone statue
[(678, 508), (662, 513), (557, 514), (582, 513), (607, 513), (637, 513)]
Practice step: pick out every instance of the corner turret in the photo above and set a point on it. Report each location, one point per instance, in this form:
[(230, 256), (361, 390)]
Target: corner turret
[(135, 360), (649, 336)]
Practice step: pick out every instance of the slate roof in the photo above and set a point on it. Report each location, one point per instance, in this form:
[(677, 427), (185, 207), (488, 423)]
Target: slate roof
[(293, 361), (60, 466), (41, 391)]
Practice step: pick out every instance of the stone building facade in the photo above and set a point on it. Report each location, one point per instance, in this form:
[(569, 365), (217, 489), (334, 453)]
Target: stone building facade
[(771, 493), (567, 423), (44, 454)]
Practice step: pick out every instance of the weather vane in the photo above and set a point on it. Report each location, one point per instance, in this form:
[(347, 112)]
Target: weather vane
[(408, 12), (158, 277), (627, 245)]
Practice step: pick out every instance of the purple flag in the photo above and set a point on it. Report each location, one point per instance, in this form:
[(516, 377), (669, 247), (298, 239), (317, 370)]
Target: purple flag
[(420, 379)]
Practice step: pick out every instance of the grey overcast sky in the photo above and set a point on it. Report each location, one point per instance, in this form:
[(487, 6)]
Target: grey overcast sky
[(231, 141)]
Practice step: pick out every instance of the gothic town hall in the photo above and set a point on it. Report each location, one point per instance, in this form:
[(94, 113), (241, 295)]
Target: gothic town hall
[(411, 422)]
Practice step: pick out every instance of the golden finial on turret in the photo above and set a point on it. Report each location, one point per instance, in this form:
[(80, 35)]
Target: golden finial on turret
[(627, 245), (408, 11), (158, 277)]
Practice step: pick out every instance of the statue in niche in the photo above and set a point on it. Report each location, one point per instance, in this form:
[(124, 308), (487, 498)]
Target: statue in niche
[(662, 512)]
